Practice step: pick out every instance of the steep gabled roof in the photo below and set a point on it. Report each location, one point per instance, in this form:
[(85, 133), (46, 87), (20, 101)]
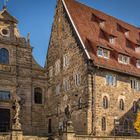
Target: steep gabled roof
[(85, 21), (6, 16)]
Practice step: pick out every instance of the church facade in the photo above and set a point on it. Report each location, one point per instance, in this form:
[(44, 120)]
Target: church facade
[(91, 76), (21, 78)]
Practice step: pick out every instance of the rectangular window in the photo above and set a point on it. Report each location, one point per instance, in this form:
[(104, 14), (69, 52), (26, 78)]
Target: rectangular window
[(66, 84), (138, 64), (4, 95), (58, 89), (51, 72), (111, 80), (103, 53), (126, 33), (65, 61), (135, 84), (57, 67), (112, 40), (77, 79), (123, 59)]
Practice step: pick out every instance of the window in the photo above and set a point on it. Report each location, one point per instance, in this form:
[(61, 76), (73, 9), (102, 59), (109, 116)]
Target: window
[(105, 102), (51, 72), (126, 33), (102, 24), (65, 61), (38, 95), (4, 56), (138, 63), (103, 53), (123, 59), (80, 103), (4, 95), (126, 125), (103, 124), (58, 89), (121, 104), (112, 40), (134, 107), (77, 79), (135, 84), (111, 80), (66, 84), (57, 67)]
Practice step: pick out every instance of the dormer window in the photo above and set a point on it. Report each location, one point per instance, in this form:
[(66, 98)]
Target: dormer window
[(123, 59), (138, 63), (101, 52), (112, 40), (126, 33), (102, 23)]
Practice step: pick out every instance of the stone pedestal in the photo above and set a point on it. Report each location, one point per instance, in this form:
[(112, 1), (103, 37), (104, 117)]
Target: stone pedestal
[(68, 133), (17, 135)]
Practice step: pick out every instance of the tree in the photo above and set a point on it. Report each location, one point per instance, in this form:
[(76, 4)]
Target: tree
[(137, 122)]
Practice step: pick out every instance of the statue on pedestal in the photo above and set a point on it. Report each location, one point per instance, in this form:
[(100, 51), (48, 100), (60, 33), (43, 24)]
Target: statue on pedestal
[(16, 122)]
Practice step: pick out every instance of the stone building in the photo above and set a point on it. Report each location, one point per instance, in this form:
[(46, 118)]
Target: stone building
[(93, 68), (21, 79), (91, 77)]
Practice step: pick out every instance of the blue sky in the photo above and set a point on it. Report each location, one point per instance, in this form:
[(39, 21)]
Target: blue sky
[(36, 17)]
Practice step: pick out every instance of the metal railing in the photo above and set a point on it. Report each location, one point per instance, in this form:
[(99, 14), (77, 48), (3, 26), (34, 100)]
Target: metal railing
[(4, 127)]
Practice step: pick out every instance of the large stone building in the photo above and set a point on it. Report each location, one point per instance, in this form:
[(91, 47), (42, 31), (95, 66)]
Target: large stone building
[(91, 76), (93, 66)]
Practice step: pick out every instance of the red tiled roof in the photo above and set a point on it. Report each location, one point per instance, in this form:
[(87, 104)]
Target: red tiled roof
[(89, 31)]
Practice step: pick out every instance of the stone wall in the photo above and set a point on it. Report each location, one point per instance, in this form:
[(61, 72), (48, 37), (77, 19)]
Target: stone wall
[(64, 42)]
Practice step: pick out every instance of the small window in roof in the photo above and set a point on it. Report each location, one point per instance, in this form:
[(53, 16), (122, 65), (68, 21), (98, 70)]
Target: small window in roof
[(101, 52), (123, 59), (138, 63)]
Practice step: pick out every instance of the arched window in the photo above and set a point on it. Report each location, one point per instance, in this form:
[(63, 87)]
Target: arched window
[(103, 124), (38, 95), (134, 107), (105, 102), (4, 56), (121, 104), (126, 125)]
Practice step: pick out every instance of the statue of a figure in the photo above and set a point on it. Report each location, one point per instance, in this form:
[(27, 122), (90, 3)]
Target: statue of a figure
[(16, 123), (68, 112)]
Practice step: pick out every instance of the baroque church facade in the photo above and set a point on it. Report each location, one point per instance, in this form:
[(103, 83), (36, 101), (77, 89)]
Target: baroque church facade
[(91, 76)]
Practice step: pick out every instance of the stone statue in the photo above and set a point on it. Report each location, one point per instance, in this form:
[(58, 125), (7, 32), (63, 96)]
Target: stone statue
[(68, 112), (16, 122)]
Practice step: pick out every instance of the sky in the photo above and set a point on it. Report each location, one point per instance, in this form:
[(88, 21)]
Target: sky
[(36, 17)]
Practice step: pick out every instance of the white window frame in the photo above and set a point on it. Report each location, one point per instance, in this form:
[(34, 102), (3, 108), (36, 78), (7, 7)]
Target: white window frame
[(112, 40), (66, 61), (57, 67), (135, 84), (77, 79), (122, 59), (66, 84), (103, 53), (111, 80), (58, 88), (138, 64), (51, 72)]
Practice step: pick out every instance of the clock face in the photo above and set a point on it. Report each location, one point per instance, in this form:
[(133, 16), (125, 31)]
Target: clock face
[(5, 32)]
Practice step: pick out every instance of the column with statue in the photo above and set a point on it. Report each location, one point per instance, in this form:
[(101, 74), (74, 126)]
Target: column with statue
[(16, 125)]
